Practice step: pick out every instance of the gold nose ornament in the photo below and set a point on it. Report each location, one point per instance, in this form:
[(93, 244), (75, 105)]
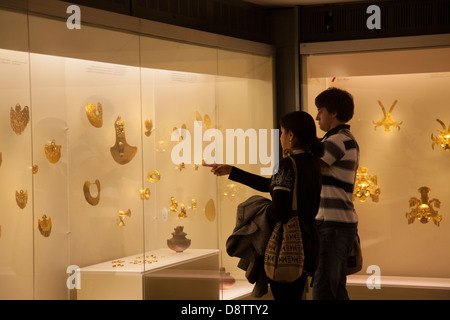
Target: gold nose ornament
[(19, 118), (122, 152), (95, 114), (53, 152), (87, 193)]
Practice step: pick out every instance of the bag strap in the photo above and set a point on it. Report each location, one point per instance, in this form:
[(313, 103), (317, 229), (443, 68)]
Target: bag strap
[(294, 196)]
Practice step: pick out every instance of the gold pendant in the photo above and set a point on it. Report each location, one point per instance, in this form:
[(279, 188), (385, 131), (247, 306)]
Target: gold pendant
[(53, 152), (95, 114), (87, 193), (19, 118), (45, 226), (148, 127), (122, 152), (22, 198), (122, 215)]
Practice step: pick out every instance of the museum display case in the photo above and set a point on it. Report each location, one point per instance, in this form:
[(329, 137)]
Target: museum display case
[(400, 122), (93, 177)]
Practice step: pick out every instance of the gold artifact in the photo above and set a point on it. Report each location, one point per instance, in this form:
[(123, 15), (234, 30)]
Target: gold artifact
[(182, 214), (148, 127), (387, 120), (19, 118), (144, 193), (122, 215), (206, 120), (21, 198), (35, 169), (423, 209), (183, 126), (95, 114), (443, 139), (153, 176), (210, 210), (181, 166), (122, 152), (173, 205), (45, 225), (53, 152), (366, 186), (87, 192), (193, 204)]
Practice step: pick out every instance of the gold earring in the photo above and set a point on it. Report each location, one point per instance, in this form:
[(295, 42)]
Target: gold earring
[(45, 226), (144, 193), (95, 114), (87, 193), (122, 215), (19, 118), (21, 198), (53, 152), (153, 176), (122, 152)]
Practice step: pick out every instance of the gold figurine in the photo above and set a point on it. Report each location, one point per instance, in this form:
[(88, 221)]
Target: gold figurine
[(21, 198), (443, 139), (19, 118), (173, 205), (45, 226), (182, 214), (423, 208), (387, 120), (122, 152), (153, 176), (193, 204), (95, 114), (148, 127), (87, 193), (366, 186), (53, 152), (122, 215)]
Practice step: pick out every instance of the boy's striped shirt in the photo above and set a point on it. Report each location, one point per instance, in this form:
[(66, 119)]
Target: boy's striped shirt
[(338, 177)]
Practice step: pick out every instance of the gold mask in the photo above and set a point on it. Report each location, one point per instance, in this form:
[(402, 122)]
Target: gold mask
[(53, 152), (19, 118), (95, 114), (21, 198), (87, 193), (45, 226), (122, 152)]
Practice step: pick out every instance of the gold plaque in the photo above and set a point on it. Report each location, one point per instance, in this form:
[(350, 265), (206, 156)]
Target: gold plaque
[(53, 152), (122, 152), (19, 118), (210, 210), (21, 198), (45, 226)]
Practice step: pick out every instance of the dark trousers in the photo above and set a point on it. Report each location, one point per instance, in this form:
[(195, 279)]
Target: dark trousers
[(336, 241), (289, 290)]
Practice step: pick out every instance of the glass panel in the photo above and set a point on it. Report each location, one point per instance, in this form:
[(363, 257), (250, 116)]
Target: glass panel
[(244, 101), (16, 159), (401, 155)]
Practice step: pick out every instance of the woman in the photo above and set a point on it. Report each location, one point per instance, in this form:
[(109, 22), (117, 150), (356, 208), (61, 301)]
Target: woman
[(298, 140)]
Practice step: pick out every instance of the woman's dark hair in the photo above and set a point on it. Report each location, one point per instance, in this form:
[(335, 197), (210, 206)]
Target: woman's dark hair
[(336, 101), (303, 127)]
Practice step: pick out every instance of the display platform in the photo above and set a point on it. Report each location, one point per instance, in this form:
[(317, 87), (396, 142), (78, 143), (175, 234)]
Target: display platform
[(157, 274)]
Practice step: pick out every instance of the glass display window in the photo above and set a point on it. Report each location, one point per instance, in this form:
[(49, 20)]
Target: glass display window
[(93, 192), (399, 95)]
